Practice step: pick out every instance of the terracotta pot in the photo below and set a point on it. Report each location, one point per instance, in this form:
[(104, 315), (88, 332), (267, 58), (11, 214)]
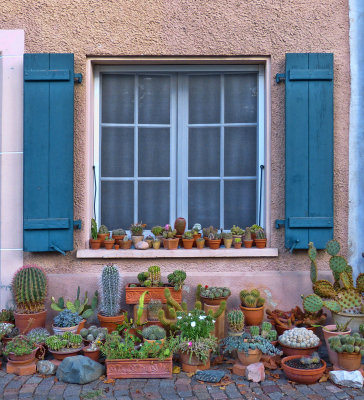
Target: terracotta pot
[(125, 244), (187, 243), (179, 237), (161, 238), (342, 318), (260, 243), (213, 302), (109, 244), (139, 368), (137, 239), (329, 331), (118, 237), (95, 244), (24, 358), (206, 241), (102, 237), (155, 341), (294, 351), (228, 243), (60, 331), (171, 244), (180, 225), (200, 244), (132, 294), (116, 247), (214, 244), (349, 361), (150, 243), (252, 357), (94, 354), (156, 245), (193, 364), (304, 376), (110, 322), (196, 236), (238, 236), (27, 322), (81, 325), (237, 245), (61, 355), (253, 316), (248, 243)]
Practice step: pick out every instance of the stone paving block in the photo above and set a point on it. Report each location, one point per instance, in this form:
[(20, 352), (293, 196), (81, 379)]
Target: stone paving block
[(276, 395), (342, 395), (270, 388), (121, 392), (331, 397), (304, 389), (218, 396), (315, 396), (202, 396), (231, 391), (35, 379)]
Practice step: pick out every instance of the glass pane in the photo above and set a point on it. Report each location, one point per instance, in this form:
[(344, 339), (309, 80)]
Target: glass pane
[(153, 151), (117, 204), (240, 151), (204, 99), (204, 203), (154, 99), (118, 98), (117, 152), (204, 152), (153, 203), (241, 98), (240, 203)]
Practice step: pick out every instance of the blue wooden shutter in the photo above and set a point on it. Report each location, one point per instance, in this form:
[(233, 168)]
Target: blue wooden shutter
[(48, 152), (309, 150)]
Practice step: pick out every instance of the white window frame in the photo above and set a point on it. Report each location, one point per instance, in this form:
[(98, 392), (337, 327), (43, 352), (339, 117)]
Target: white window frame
[(179, 142)]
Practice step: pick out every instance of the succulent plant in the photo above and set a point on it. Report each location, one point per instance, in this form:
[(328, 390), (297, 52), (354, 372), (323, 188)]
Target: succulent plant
[(168, 232), (154, 332), (103, 229), (196, 229), (66, 341), (237, 240), (235, 319), (260, 234), (255, 228), (155, 275), (177, 278), (93, 229), (214, 236), (137, 229), (38, 335), (254, 330), (29, 289), (227, 235), (246, 342), (187, 235), (314, 358), (251, 299), (248, 234), (299, 338), (118, 232), (5, 329), (110, 291), (6, 315), (236, 230), (157, 230), (347, 343), (208, 231), (153, 308), (93, 332), (20, 346), (66, 318), (213, 292), (361, 329)]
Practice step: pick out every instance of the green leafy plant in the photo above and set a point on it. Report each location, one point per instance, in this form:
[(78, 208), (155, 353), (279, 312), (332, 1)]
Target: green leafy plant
[(236, 230), (93, 229), (187, 235), (137, 229), (251, 299), (157, 230), (237, 240), (7, 316), (110, 291), (177, 278), (20, 346)]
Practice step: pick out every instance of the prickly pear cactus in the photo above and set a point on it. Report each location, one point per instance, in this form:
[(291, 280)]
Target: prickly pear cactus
[(312, 254), (333, 247), (313, 303), (345, 279), (360, 282), (324, 288), (349, 299), (338, 264)]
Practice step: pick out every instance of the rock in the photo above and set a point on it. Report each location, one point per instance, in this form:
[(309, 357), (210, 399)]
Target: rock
[(352, 379), (255, 372), (45, 367), (142, 245), (239, 369), (79, 369), (210, 375)]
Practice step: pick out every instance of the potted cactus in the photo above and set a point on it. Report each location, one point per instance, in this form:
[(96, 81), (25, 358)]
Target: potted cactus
[(237, 243), (196, 232), (299, 341), (266, 331), (109, 242), (156, 244), (334, 330), (200, 243), (149, 239), (228, 239), (21, 349), (237, 232), (66, 321), (95, 242), (235, 319), (252, 305), (304, 369), (157, 231), (153, 308), (214, 241), (248, 241), (187, 240), (177, 279), (118, 234), (154, 334), (212, 295), (260, 239), (349, 349), (137, 232), (110, 313), (254, 228), (125, 243), (29, 289), (170, 241), (67, 345), (7, 316), (102, 234)]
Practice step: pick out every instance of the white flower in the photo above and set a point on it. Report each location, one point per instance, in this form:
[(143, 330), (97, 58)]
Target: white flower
[(189, 314), (193, 324), (202, 317), (213, 321), (179, 317)]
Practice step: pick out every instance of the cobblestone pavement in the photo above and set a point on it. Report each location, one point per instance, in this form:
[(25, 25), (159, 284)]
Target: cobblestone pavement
[(275, 387)]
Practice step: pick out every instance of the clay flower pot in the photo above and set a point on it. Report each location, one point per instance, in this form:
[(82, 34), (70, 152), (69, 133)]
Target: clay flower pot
[(196, 236), (187, 243), (252, 357), (109, 244), (137, 239), (118, 237), (94, 354), (253, 316), (180, 225), (214, 244), (150, 242), (294, 351), (171, 244), (24, 358), (156, 245), (304, 376), (125, 244), (27, 322), (81, 325), (61, 355), (349, 361), (179, 240), (260, 243), (213, 302), (237, 245), (60, 331), (248, 243), (329, 331), (95, 244), (342, 318), (102, 237), (110, 322), (193, 364), (200, 244), (116, 247), (228, 243)]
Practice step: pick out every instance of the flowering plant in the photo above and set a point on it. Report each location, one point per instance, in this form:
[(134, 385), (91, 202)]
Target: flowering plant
[(137, 229), (194, 325)]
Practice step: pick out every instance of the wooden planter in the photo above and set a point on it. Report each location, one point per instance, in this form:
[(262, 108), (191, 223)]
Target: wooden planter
[(304, 376), (132, 294), (147, 368)]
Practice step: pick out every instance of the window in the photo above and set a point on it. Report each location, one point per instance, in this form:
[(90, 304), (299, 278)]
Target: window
[(179, 141)]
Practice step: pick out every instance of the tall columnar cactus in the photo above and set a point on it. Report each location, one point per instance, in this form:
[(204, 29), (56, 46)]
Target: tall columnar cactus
[(110, 291), (29, 288), (235, 320), (155, 275)]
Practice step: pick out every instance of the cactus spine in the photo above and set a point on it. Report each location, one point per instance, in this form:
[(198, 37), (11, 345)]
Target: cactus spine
[(110, 287), (154, 275), (235, 320)]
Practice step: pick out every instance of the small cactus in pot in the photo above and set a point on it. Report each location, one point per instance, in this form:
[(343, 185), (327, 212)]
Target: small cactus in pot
[(153, 308), (248, 241), (252, 305), (235, 319)]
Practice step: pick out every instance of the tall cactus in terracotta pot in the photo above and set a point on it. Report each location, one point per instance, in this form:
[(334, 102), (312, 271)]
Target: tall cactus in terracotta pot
[(29, 289)]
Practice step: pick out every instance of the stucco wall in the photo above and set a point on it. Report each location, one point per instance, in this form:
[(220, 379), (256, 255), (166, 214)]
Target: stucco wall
[(205, 27)]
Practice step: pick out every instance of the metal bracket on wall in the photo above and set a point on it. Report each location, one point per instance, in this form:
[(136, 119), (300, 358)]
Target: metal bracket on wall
[(77, 224), (280, 78), (280, 222), (56, 248), (78, 78), (294, 245)]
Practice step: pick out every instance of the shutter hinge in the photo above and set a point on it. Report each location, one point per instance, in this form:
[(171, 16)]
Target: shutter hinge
[(280, 78), (78, 78), (280, 222), (77, 224)]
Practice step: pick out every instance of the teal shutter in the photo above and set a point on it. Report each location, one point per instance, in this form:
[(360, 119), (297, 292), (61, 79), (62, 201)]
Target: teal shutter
[(309, 150), (48, 152)]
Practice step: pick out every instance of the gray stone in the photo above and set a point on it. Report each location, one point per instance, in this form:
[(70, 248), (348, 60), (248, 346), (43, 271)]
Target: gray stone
[(210, 375), (79, 369), (45, 367), (347, 378)]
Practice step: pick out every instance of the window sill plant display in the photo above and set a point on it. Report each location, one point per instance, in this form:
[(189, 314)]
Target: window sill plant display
[(109, 242), (154, 334), (200, 243), (334, 330), (7, 316), (66, 321), (29, 289), (299, 341), (110, 314), (21, 348), (260, 239), (103, 234), (349, 349), (137, 232), (252, 305), (342, 298), (126, 243), (237, 232), (118, 234), (149, 239), (228, 239), (187, 240), (235, 319), (248, 240), (170, 242), (156, 244), (212, 295), (196, 232), (212, 237), (95, 241), (266, 331), (157, 231), (249, 349), (306, 370), (237, 243), (66, 345), (254, 228)]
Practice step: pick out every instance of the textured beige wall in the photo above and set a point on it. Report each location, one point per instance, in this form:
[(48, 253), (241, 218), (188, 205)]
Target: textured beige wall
[(195, 27)]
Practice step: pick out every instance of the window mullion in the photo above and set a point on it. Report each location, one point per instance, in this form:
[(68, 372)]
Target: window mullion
[(173, 149), (222, 120), (136, 104)]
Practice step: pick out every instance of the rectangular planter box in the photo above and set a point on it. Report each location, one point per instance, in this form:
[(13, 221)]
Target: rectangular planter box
[(132, 294), (147, 368)]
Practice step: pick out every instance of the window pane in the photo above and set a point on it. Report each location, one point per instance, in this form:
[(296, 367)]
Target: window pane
[(204, 99), (117, 200), (204, 203), (240, 151), (241, 98), (153, 151), (117, 152), (204, 152), (154, 99), (240, 203), (153, 203), (118, 98)]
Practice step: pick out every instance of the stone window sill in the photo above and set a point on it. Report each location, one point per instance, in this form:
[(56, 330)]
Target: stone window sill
[(179, 253)]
